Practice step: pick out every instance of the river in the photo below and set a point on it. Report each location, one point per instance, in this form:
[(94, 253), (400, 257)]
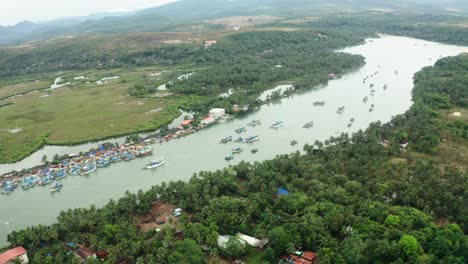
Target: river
[(202, 151)]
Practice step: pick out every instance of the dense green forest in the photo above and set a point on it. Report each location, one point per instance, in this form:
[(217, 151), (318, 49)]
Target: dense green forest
[(349, 200)]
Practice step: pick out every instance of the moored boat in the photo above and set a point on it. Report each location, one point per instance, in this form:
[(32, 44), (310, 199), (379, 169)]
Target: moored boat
[(340, 110), (293, 143), (277, 124), (8, 189), (365, 99), (241, 129), (372, 92), (237, 150), (385, 87), (254, 123), (239, 139), (46, 180), (145, 151), (309, 124), (127, 156), (226, 139), (88, 167), (228, 158), (252, 139), (254, 151)]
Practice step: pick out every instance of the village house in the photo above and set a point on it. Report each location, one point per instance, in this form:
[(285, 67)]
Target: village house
[(240, 108), (299, 257), (208, 121), (185, 123), (210, 43), (13, 255), (217, 113)]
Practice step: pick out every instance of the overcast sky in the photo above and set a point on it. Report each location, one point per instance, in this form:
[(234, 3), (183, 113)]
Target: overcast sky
[(14, 11)]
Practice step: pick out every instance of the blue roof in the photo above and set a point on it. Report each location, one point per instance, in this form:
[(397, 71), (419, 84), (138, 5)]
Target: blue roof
[(282, 191)]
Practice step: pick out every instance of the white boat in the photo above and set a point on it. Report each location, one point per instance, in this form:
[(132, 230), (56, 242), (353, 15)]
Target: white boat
[(154, 164)]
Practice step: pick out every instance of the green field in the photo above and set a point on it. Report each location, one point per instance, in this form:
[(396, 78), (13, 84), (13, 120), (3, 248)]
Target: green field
[(81, 112)]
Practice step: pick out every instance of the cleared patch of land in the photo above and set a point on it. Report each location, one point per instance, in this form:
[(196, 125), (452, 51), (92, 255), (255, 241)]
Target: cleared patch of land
[(243, 21)]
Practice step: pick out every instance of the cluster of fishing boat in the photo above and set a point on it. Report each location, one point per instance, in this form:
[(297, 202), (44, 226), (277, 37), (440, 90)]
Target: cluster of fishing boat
[(75, 165)]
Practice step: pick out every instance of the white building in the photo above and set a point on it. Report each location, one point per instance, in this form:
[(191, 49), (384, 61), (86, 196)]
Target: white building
[(252, 241), (217, 112), (210, 43)]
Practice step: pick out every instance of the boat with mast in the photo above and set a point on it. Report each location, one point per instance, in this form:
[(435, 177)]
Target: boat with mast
[(89, 167)]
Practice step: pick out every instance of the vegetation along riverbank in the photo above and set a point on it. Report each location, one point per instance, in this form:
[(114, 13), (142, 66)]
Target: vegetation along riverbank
[(387, 194)]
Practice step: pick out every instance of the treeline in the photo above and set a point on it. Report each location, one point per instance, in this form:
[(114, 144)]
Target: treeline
[(348, 201)]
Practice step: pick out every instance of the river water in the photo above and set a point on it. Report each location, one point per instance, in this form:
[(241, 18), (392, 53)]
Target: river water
[(202, 151)]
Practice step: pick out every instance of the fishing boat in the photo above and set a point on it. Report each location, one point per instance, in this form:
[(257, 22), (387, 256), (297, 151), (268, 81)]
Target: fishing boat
[(46, 180), (396, 72), (154, 164), (115, 158), (102, 163), (254, 123), (309, 124), (350, 124), (351, 120), (293, 143), (237, 150), (252, 139), (88, 168), (319, 103), (226, 139), (127, 156), (59, 174), (241, 129), (238, 140), (385, 87), (372, 92), (75, 170), (340, 110), (365, 99), (145, 151), (254, 151), (371, 85), (57, 187), (29, 182), (8, 189), (228, 158), (277, 124)]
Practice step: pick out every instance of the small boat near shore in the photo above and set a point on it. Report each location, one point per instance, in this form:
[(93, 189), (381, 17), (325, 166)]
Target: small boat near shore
[(154, 164), (372, 92), (319, 103), (293, 143), (385, 87), (277, 124), (46, 180), (365, 99), (57, 187), (228, 158), (253, 151), (252, 139), (241, 129), (226, 139), (340, 110)]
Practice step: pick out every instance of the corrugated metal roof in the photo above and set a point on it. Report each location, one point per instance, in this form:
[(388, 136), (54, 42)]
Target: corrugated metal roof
[(12, 254)]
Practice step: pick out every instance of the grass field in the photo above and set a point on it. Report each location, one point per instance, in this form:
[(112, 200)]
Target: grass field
[(83, 111)]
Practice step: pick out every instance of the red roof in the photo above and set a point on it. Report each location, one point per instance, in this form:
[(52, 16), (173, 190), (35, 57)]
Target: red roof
[(12, 254), (186, 122), (309, 255)]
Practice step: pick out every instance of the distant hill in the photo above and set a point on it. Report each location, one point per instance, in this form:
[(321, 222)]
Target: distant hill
[(162, 17)]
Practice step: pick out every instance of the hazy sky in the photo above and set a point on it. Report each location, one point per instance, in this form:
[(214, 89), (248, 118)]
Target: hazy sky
[(14, 11)]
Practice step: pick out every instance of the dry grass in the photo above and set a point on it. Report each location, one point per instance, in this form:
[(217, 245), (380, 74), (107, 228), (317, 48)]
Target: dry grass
[(243, 21)]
